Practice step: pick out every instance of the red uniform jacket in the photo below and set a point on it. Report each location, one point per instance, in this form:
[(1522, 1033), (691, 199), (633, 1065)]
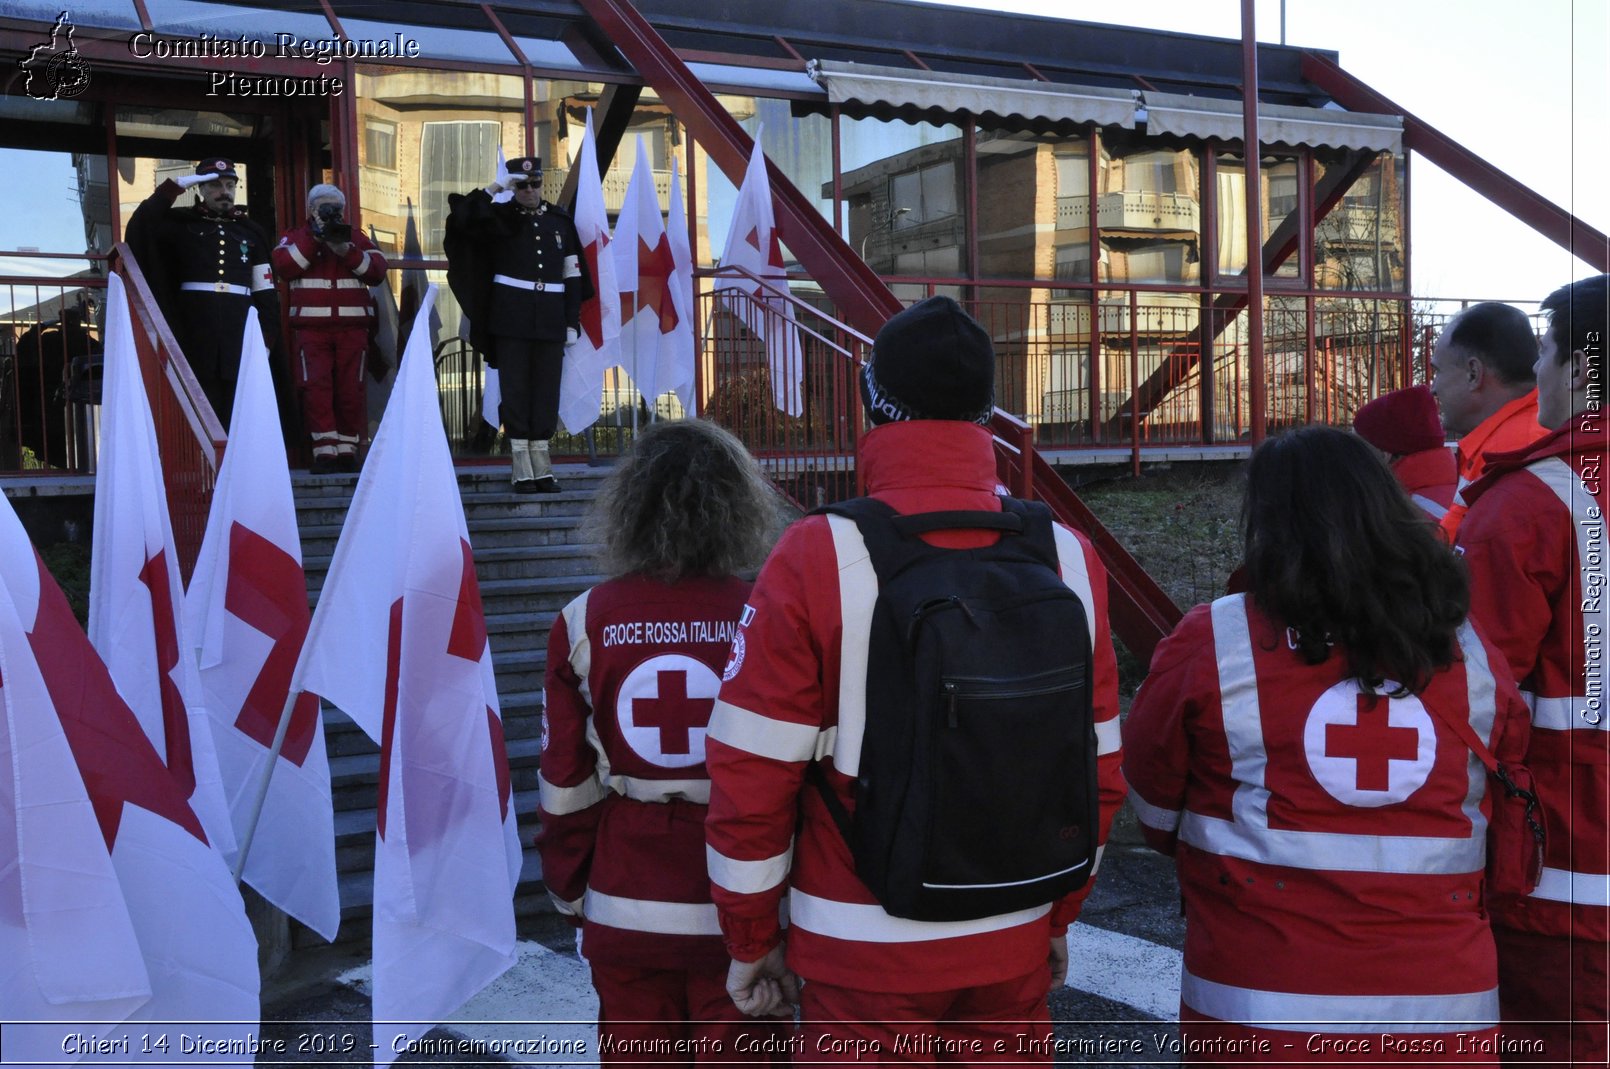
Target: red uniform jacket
[(633, 669), (1535, 544), (795, 692), (328, 292), (1429, 478), (1330, 842)]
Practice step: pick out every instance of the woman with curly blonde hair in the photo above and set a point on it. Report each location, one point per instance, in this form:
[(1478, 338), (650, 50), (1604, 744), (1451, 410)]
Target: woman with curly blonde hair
[(633, 669)]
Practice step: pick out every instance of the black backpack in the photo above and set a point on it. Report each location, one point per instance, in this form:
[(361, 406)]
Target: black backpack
[(977, 790)]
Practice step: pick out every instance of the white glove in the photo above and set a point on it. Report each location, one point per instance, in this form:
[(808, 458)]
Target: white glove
[(185, 181), (494, 188), (572, 336)]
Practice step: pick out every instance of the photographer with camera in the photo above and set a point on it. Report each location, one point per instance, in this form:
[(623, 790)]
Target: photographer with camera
[(330, 267)]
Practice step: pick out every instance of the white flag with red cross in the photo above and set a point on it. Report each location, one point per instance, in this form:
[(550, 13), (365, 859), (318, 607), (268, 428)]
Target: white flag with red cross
[(246, 614), (581, 384), (135, 598), (398, 642), (114, 910), (754, 244), (644, 264), (677, 349)]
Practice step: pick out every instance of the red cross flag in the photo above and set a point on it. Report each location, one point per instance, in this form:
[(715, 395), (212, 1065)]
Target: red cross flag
[(113, 909), (398, 641), (677, 350), (581, 386), (245, 616), (644, 265), (135, 595), (754, 244)]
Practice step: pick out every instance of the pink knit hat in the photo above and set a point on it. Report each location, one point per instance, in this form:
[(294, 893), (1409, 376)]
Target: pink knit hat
[(1400, 422)]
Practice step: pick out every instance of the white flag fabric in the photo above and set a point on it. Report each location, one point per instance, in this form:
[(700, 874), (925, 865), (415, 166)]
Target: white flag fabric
[(677, 350), (644, 265), (754, 244), (581, 385), (398, 641), (135, 598), (245, 616), (113, 908)]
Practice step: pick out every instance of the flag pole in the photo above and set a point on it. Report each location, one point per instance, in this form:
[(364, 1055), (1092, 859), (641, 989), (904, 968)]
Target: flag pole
[(262, 788)]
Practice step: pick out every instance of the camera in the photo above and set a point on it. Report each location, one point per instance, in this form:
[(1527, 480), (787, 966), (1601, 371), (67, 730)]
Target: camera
[(331, 227)]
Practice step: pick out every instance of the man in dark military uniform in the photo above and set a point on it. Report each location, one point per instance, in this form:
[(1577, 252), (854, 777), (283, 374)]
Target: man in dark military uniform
[(207, 265), (533, 281)]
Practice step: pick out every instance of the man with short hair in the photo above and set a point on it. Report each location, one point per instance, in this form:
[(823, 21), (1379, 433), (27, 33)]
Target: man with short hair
[(208, 266), (1482, 378), (795, 694), (1534, 540), (330, 267), (524, 307)]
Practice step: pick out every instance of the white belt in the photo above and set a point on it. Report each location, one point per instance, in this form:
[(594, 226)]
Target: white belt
[(525, 284), (327, 283), (215, 287), (310, 313)]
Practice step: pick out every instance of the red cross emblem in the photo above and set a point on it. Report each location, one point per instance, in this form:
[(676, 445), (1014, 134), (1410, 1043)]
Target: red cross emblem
[(592, 312), (654, 269), (663, 707), (773, 249), (175, 718), (266, 589), (1366, 749)]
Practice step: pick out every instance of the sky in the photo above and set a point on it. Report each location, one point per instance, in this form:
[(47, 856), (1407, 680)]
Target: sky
[(1526, 86)]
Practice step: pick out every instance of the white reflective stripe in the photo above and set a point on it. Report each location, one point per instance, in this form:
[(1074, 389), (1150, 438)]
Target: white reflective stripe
[(1459, 492), (347, 439), (363, 266), (661, 790), (1567, 714), (1287, 1011), (1248, 835), (562, 801), (1435, 510), (324, 450), (1588, 526), (1076, 574), (310, 283), (1577, 888), (761, 735), (326, 436), (215, 287), (858, 593), (643, 915), (1481, 694), (351, 310), (1095, 866), (748, 877), (572, 267), (1155, 817), (870, 924), (296, 254), (262, 278), (311, 313), (581, 646), (527, 284), (1250, 838), (1109, 737)]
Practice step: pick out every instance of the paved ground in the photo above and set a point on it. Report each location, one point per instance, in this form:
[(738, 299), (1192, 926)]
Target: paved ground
[(1122, 988)]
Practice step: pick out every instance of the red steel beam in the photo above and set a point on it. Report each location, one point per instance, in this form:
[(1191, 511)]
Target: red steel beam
[(862, 299), (1537, 212)]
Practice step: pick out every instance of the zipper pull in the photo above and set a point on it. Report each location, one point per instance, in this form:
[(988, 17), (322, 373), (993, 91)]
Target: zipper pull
[(962, 605), (950, 703)]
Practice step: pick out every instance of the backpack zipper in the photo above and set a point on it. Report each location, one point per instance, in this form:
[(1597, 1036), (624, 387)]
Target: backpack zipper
[(1054, 682)]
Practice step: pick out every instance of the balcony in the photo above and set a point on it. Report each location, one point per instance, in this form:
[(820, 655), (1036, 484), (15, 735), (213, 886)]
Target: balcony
[(615, 183), (1133, 211)]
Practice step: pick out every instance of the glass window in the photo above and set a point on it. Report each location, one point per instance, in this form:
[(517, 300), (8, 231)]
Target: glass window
[(434, 42), (62, 207), (380, 144), (799, 146), (1358, 245), (191, 18), (1148, 211), (904, 196), (115, 14), (1280, 177), (1033, 206)]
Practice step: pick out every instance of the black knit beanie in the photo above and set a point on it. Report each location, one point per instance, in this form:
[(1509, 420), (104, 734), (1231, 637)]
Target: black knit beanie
[(932, 361)]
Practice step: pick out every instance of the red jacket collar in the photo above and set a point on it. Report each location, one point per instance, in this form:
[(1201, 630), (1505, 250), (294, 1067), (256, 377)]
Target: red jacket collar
[(929, 453), (1565, 442)]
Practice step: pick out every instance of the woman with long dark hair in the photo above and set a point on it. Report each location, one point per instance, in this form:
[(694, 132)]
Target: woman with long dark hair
[(1293, 748), (633, 669)]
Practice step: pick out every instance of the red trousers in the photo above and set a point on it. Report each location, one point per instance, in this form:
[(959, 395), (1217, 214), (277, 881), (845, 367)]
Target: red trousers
[(679, 1017), (1553, 998), (1005, 1022), (328, 366)]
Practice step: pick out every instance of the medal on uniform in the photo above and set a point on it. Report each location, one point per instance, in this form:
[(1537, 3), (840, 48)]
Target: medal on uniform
[(244, 252)]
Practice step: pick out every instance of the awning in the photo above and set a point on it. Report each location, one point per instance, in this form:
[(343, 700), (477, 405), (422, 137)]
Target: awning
[(1189, 116), (1013, 102)]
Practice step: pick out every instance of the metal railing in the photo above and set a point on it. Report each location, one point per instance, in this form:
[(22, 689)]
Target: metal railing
[(50, 361)]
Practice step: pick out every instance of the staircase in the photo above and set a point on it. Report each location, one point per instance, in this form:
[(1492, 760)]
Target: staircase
[(531, 560)]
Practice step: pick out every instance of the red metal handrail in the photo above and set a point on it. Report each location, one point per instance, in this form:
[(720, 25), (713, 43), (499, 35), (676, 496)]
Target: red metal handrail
[(190, 438)]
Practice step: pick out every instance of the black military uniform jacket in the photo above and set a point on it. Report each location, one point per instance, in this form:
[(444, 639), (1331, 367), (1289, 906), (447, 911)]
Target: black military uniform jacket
[(175, 246), (539, 248)]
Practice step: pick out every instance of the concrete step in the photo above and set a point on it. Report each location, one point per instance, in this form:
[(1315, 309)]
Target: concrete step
[(503, 562), (355, 831), (354, 777), (538, 594)]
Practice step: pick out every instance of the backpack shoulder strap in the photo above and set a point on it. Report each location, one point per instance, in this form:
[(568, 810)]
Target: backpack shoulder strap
[(1039, 527)]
